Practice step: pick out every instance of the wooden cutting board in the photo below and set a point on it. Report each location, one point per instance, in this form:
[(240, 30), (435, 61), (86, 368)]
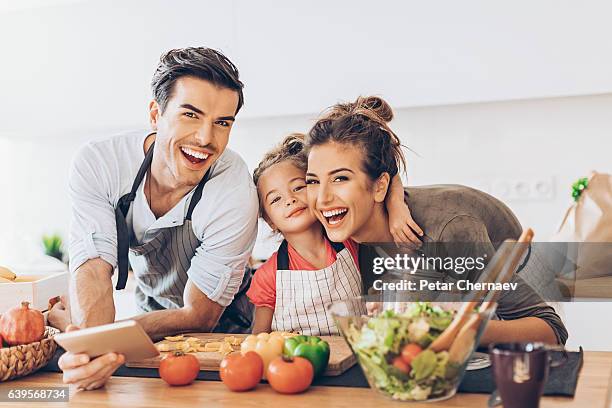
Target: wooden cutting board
[(341, 357)]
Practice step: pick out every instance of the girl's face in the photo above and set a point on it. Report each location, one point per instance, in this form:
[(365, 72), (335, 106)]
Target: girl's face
[(340, 193), (282, 190)]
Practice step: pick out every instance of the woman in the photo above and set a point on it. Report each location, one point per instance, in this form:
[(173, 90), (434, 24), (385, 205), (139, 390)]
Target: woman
[(353, 155)]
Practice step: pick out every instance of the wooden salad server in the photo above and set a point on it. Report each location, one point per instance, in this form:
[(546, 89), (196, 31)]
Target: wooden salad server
[(501, 268)]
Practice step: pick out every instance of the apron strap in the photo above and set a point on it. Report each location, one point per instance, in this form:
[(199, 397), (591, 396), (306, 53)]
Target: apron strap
[(122, 249), (366, 256), (282, 256), (126, 200), (123, 207), (338, 246), (197, 194)]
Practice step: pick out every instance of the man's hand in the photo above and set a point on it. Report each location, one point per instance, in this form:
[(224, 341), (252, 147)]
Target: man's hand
[(59, 316), (88, 374)]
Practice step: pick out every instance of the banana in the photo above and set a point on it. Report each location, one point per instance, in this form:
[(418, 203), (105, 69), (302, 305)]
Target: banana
[(4, 280), (7, 274)]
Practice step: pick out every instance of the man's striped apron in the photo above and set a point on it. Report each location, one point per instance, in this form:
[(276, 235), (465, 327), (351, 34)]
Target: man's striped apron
[(160, 265)]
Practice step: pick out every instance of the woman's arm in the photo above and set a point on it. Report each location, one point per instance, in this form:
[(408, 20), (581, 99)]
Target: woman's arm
[(401, 224), (525, 315), (524, 303), (523, 329), (263, 319)]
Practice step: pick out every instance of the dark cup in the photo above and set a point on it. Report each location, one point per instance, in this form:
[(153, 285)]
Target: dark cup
[(521, 370)]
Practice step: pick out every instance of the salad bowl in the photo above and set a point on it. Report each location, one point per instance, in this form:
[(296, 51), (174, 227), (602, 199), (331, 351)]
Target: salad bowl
[(392, 340)]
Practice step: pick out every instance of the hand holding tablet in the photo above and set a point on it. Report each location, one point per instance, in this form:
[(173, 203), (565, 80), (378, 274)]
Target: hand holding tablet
[(126, 337)]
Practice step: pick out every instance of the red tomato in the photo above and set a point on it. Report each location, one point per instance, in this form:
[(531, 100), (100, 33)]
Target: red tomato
[(179, 369), (401, 365), (410, 351), (241, 372), (290, 376)]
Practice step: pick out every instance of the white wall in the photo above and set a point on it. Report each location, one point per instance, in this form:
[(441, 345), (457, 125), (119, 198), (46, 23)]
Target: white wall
[(82, 57), (478, 90), (556, 140)]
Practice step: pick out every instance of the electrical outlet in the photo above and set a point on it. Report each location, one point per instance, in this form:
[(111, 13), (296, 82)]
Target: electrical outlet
[(524, 189)]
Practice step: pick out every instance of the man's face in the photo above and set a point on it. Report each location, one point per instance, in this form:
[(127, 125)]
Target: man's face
[(194, 129)]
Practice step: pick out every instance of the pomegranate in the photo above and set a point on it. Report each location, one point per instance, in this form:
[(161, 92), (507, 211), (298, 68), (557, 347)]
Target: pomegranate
[(22, 325)]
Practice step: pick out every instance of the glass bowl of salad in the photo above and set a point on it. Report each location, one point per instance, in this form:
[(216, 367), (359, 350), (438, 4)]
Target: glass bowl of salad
[(393, 345)]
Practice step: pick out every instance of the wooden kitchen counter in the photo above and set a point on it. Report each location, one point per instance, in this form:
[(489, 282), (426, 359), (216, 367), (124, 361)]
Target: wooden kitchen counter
[(593, 392)]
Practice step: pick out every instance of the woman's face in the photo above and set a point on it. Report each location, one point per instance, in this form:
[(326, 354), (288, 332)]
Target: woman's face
[(282, 191), (340, 193)]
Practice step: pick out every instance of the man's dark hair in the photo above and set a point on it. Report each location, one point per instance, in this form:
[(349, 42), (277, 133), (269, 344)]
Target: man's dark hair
[(200, 62)]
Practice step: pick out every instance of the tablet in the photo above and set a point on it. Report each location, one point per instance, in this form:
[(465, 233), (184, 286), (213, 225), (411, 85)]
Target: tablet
[(125, 337)]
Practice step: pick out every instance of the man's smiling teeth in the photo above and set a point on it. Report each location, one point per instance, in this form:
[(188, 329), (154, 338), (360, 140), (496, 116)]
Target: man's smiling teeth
[(194, 153), (337, 211)]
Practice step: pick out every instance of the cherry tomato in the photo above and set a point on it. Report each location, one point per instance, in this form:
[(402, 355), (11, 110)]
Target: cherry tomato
[(241, 372), (410, 351), (401, 365), (179, 369), (290, 376)]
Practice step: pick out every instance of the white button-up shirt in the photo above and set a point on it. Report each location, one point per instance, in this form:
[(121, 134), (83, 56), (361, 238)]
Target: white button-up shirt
[(224, 220)]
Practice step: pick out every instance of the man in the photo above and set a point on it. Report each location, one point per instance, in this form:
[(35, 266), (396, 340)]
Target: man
[(183, 204)]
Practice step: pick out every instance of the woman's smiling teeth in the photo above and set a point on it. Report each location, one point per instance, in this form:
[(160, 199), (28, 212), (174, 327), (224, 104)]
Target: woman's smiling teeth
[(334, 216)]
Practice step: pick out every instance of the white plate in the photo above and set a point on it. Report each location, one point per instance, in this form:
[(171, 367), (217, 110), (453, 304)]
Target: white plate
[(478, 361)]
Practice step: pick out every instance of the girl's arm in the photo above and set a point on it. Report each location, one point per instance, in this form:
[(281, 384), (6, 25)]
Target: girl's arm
[(401, 224), (263, 319), (262, 294)]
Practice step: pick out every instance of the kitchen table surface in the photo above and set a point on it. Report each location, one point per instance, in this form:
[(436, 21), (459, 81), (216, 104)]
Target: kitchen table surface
[(594, 387)]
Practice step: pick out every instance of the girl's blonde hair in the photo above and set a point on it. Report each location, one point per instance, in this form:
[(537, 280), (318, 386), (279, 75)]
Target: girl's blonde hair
[(291, 149)]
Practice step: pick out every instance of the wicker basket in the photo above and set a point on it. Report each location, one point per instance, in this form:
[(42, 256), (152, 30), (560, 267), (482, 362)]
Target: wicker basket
[(19, 361)]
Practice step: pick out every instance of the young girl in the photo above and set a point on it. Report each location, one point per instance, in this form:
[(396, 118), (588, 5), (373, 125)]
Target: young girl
[(290, 291)]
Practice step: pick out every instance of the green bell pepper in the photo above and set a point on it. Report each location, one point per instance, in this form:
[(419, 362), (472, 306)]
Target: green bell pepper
[(311, 348)]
